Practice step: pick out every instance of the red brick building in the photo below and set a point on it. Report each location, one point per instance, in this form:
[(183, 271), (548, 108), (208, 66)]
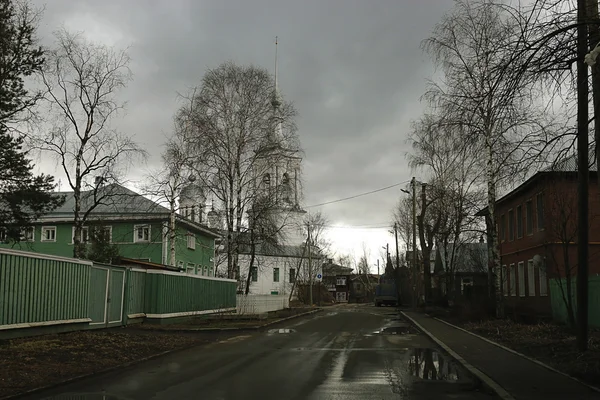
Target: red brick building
[(537, 233)]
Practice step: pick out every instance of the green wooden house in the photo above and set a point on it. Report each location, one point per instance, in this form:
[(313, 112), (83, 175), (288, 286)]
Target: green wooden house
[(136, 226)]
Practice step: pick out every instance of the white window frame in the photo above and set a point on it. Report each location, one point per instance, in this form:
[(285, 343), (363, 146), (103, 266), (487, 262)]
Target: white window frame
[(48, 229), (278, 274), (192, 267), (543, 278), (136, 229), (513, 280), (340, 279), (191, 241), (109, 229), (530, 279), (85, 233), (521, 277), (25, 231)]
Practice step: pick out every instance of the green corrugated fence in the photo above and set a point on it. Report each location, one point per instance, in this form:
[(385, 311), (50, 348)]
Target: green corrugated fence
[(39, 290), (559, 309), (170, 294)]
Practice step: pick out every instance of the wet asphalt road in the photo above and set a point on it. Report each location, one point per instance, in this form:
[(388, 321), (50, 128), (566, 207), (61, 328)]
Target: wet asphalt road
[(346, 352)]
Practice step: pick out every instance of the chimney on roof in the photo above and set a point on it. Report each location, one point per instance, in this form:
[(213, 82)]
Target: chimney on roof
[(98, 181)]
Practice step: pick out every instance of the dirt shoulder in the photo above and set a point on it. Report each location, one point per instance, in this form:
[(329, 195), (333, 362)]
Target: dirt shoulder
[(230, 322), (549, 343), (30, 363)]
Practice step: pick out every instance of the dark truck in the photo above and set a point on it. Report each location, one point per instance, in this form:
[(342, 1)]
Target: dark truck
[(386, 292)]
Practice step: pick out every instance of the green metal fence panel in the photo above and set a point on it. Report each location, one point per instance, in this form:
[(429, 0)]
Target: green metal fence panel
[(171, 294), (37, 289), (116, 290), (557, 300), (97, 295), (136, 286)]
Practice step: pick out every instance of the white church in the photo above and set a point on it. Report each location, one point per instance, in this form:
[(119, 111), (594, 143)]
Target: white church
[(276, 269)]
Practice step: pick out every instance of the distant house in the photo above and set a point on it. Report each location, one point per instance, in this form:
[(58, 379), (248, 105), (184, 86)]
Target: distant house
[(337, 280), (363, 287), (460, 274), (135, 225), (537, 230)]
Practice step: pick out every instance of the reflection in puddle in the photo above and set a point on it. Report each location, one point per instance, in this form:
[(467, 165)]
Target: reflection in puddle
[(282, 330), (428, 364), (396, 329)]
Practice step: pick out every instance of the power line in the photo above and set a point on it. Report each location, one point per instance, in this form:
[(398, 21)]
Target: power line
[(384, 224), (357, 195)]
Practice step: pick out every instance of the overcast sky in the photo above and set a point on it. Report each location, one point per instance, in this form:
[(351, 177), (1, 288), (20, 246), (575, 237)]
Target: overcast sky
[(354, 70)]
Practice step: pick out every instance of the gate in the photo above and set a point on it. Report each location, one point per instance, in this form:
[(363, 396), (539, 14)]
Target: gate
[(107, 289)]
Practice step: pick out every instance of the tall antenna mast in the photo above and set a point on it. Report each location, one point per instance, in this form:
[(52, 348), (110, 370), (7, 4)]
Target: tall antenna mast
[(276, 83)]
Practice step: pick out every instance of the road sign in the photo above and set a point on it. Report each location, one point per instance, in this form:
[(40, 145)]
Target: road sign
[(319, 276)]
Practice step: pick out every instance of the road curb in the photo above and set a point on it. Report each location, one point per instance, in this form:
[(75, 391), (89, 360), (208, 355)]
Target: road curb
[(238, 329), (486, 380), (520, 354)]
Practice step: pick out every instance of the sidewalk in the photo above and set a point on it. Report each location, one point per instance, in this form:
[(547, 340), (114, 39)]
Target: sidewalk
[(520, 377)]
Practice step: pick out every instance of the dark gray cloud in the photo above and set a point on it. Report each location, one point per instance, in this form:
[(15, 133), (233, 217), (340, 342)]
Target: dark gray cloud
[(353, 68)]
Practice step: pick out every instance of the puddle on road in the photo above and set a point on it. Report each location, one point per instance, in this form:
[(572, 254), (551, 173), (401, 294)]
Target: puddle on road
[(431, 365), (398, 328), (282, 331)]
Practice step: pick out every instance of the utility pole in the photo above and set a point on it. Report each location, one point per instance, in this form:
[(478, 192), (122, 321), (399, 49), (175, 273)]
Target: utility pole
[(310, 280), (387, 253), (426, 262), (414, 241), (397, 249), (583, 177)]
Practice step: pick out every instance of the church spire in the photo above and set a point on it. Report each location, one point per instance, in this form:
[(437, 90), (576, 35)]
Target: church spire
[(276, 101)]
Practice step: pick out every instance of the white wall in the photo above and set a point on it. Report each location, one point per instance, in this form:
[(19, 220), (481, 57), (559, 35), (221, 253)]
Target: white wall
[(266, 265)]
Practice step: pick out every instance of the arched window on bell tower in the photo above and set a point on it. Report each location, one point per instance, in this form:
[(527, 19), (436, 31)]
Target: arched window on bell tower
[(286, 188)]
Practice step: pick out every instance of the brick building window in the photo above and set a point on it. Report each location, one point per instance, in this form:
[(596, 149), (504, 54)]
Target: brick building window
[(519, 222), (521, 272), (540, 211), (529, 217), (511, 225), (530, 278), (513, 280)]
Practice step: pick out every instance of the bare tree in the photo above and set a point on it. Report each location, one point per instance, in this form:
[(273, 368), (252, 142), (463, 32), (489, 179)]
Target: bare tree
[(168, 183), (454, 195), (484, 92), (81, 81), (239, 128)]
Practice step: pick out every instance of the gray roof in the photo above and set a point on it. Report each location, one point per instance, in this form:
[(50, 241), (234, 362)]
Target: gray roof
[(115, 202), (113, 199), (469, 257), (569, 163)]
